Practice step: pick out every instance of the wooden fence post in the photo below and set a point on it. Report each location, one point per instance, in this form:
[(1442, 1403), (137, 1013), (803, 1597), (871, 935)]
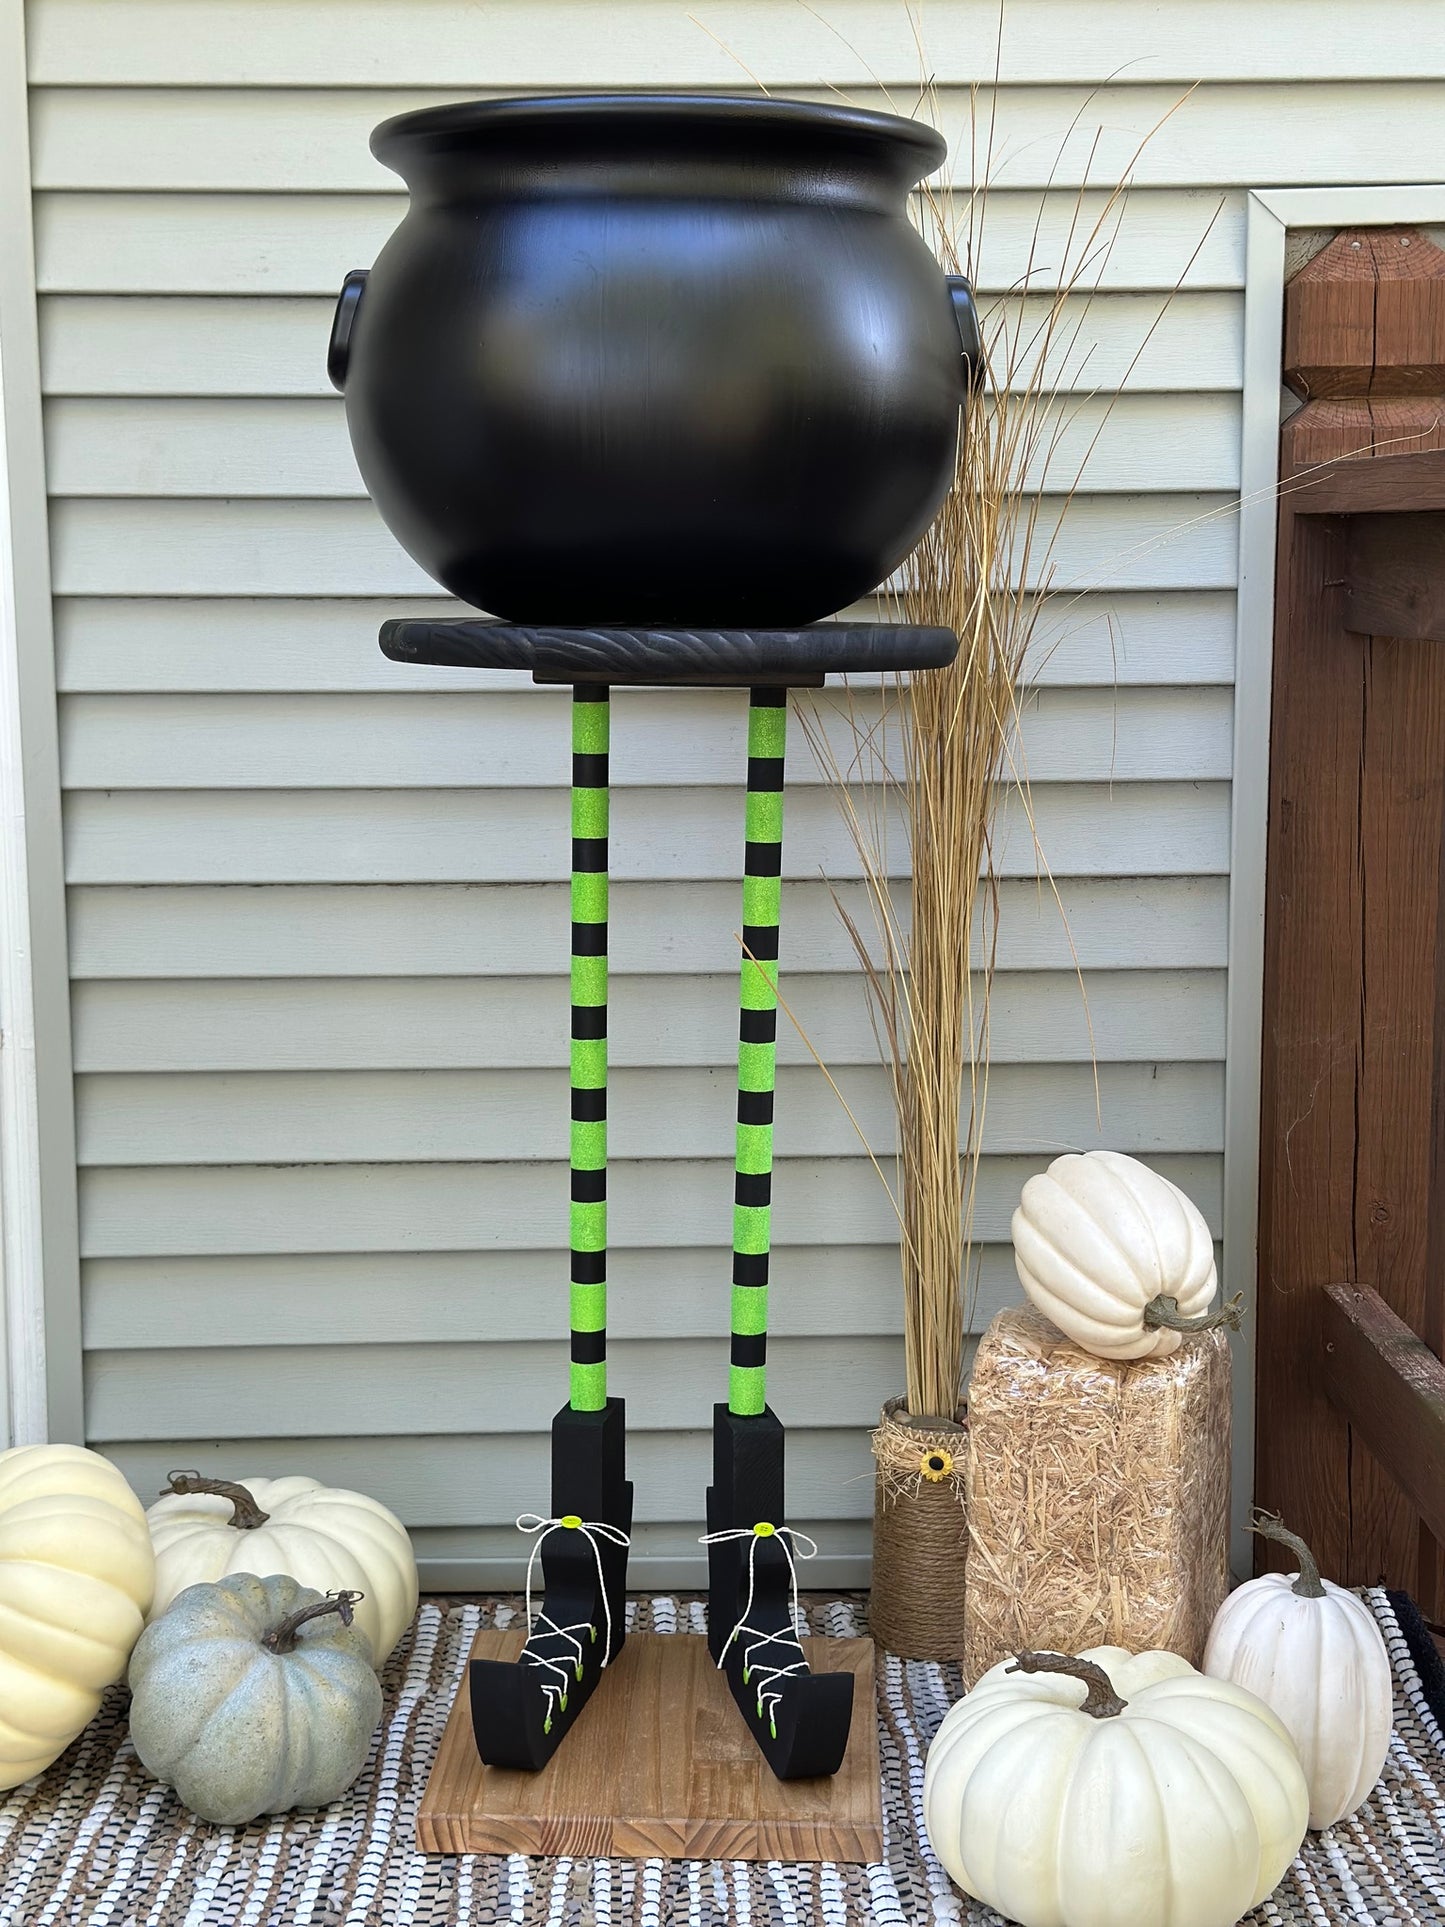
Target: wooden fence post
[(1351, 1001)]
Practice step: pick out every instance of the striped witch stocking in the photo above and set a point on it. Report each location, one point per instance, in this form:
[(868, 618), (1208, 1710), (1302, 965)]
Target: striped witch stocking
[(757, 1045), (590, 719)]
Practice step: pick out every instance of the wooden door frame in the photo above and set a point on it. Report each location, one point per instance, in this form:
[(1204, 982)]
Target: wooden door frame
[(1271, 214), (40, 1339)]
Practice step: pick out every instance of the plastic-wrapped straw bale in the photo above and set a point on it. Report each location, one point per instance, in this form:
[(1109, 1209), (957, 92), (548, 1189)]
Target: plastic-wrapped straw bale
[(1098, 1495)]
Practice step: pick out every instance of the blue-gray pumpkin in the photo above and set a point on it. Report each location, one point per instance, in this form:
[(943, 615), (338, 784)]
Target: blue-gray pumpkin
[(254, 1696)]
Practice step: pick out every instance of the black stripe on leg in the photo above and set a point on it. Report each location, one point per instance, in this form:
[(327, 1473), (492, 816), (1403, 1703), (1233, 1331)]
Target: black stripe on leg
[(589, 770), (758, 1026), (589, 1348)]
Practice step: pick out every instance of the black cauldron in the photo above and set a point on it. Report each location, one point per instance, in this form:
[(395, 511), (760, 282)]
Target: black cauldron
[(655, 359)]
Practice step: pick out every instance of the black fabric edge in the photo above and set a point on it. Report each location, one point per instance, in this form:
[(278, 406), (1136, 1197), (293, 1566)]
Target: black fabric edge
[(1424, 1653)]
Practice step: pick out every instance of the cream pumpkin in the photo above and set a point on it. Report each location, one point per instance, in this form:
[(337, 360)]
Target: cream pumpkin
[(76, 1574), (1314, 1654), (1113, 1790), (321, 1536), (1117, 1256)]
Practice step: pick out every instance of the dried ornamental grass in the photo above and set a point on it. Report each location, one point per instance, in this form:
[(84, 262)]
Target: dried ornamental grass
[(933, 769), (920, 782), (1097, 1494)]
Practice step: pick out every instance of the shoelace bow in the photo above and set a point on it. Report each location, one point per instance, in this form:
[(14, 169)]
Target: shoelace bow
[(570, 1637), (770, 1691)]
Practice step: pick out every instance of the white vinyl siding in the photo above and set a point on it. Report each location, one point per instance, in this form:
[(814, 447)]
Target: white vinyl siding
[(318, 902)]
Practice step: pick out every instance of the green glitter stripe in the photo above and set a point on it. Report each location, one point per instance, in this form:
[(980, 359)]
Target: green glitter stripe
[(589, 1308), (589, 1063), (589, 812), (588, 1386), (747, 1390), (589, 981), (750, 1310), (589, 1227), (767, 729), (589, 1146), (589, 896), (764, 816), (751, 1224), (757, 1066), (755, 1149), (759, 984), (590, 727), (762, 901)]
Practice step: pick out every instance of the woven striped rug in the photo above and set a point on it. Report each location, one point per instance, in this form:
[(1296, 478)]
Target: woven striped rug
[(94, 1841)]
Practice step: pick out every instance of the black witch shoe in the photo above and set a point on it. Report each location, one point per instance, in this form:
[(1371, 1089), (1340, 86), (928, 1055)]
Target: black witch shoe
[(523, 1709), (800, 1719)]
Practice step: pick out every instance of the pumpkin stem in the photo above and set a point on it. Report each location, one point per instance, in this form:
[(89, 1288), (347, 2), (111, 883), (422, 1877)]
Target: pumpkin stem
[(1269, 1525), (1101, 1700), (246, 1515), (282, 1638), (1163, 1314)]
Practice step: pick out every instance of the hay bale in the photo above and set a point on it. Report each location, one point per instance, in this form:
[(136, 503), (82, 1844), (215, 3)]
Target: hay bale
[(1098, 1495)]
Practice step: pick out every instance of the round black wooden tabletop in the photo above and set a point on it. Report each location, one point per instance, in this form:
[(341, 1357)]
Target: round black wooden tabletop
[(710, 657)]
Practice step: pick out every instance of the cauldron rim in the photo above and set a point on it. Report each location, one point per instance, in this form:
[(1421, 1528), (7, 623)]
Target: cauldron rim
[(513, 118)]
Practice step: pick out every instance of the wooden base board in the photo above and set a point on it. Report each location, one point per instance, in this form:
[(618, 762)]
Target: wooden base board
[(660, 1763)]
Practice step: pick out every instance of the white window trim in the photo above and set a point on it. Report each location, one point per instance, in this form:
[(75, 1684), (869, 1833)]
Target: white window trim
[(22, 1277), (40, 1347), (1271, 213)]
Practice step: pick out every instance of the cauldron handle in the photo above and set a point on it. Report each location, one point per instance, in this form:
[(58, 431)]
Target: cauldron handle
[(965, 315), (348, 301)]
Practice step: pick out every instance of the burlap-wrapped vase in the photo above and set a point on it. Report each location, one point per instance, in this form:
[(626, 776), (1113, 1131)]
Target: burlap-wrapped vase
[(920, 1534)]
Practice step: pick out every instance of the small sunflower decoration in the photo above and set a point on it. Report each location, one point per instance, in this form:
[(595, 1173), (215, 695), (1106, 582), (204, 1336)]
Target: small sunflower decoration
[(936, 1465)]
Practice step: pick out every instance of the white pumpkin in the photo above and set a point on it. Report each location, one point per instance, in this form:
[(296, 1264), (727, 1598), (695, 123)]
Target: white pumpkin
[(1113, 1790), (254, 1696), (76, 1574), (1116, 1256), (1314, 1654), (321, 1535)]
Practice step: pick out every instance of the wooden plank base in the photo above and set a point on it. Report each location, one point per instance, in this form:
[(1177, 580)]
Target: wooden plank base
[(660, 1764)]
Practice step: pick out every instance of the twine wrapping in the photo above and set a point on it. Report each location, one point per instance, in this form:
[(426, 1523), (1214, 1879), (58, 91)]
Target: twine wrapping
[(920, 1534)]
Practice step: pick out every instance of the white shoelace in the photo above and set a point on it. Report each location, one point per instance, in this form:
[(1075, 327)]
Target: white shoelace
[(770, 1692), (570, 1636)]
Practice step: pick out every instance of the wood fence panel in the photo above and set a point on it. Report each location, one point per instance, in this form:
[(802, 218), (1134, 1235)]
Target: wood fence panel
[(1352, 1006)]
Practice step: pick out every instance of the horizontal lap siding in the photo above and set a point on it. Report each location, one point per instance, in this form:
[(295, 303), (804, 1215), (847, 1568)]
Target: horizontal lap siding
[(659, 43), (319, 901)]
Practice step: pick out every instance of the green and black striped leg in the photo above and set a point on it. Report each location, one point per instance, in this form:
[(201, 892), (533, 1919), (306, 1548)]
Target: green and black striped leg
[(799, 1719), (588, 1059), (522, 1711), (757, 1051)]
